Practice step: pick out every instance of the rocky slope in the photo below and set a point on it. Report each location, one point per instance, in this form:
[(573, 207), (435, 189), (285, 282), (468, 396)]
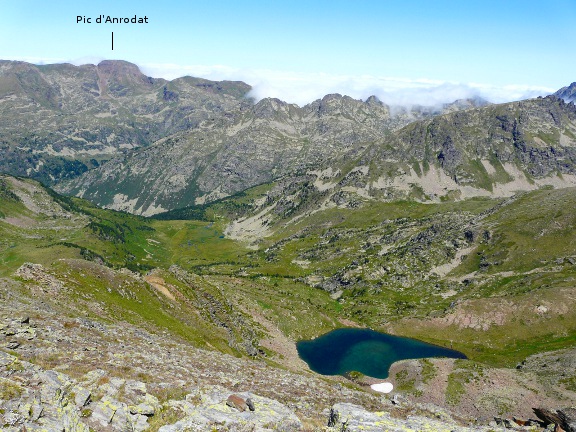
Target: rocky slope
[(431, 270), (567, 93), (210, 141), (495, 151), (265, 141), (348, 146), (89, 343), (79, 351), (60, 120)]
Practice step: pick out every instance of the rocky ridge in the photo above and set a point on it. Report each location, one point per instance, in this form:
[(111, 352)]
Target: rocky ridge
[(61, 120), (211, 141), (344, 147), (264, 142), (568, 93)]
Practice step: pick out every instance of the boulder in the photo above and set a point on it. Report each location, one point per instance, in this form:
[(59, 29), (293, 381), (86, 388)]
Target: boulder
[(142, 409), (122, 420), (139, 422), (250, 404), (134, 391), (81, 396), (104, 411), (214, 410), (237, 402)]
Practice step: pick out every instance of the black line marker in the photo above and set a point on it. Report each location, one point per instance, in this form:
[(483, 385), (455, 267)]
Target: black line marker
[(112, 41)]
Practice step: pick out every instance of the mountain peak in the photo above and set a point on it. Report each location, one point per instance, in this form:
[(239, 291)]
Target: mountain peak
[(373, 100), (118, 65), (568, 94), (123, 71)]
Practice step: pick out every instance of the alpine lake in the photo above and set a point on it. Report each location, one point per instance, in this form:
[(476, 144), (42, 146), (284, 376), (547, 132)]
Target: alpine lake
[(366, 351)]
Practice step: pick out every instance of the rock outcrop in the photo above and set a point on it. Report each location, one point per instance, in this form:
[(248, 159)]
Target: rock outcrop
[(567, 93), (352, 418), (32, 399)]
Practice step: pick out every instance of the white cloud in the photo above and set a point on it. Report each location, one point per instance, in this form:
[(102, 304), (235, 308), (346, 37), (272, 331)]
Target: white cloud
[(303, 88)]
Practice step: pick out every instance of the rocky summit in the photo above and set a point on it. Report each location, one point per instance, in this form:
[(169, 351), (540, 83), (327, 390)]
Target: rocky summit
[(246, 226), (568, 93)]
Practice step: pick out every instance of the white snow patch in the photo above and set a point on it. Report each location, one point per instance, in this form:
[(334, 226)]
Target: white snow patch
[(384, 387)]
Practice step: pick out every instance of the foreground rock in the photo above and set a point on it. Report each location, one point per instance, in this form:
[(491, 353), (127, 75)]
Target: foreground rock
[(35, 399), (349, 417), (214, 410), (564, 419)]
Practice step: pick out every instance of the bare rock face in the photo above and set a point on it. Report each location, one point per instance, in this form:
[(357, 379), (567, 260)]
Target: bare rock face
[(350, 417), (567, 93), (219, 407), (60, 120)]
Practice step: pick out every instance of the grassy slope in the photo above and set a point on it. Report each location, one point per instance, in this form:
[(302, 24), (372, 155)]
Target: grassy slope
[(520, 282), (75, 242), (488, 303), (380, 255)]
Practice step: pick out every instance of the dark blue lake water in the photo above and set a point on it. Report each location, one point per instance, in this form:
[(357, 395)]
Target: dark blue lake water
[(365, 351)]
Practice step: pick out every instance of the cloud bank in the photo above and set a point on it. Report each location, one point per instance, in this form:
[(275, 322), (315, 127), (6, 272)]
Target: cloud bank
[(303, 88)]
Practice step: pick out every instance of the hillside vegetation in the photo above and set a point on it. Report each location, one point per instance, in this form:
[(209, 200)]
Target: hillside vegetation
[(492, 278), (203, 234)]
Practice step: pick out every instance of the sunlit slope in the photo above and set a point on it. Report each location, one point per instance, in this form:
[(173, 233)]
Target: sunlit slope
[(347, 148), (118, 267), (494, 274)]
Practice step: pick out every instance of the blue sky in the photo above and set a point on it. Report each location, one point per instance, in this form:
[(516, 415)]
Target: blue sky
[(404, 51)]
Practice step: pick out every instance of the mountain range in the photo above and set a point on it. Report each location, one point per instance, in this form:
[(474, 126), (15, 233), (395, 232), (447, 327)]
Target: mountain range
[(246, 226), (191, 141)]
